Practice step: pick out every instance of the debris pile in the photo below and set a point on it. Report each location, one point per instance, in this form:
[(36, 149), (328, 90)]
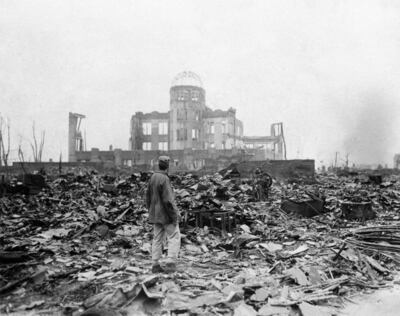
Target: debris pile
[(83, 244)]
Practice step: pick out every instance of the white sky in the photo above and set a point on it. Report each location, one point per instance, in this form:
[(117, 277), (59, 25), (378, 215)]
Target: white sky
[(330, 70)]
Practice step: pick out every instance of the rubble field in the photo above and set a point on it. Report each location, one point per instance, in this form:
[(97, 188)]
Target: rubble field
[(81, 246)]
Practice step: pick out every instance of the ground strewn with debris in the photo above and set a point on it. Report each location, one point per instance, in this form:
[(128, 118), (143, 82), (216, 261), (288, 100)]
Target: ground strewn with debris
[(82, 246)]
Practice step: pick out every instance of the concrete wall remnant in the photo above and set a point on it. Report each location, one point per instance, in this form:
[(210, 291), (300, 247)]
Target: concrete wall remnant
[(396, 161), (75, 138), (280, 169)]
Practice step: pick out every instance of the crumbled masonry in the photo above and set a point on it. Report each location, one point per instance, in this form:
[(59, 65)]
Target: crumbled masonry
[(81, 246)]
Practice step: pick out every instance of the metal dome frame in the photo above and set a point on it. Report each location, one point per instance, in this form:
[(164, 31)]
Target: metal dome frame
[(187, 78)]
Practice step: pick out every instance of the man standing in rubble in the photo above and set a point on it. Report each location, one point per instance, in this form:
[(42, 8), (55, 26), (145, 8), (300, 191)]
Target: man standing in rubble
[(262, 183), (164, 216)]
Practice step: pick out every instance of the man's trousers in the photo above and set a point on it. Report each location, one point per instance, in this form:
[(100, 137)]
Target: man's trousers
[(172, 234)]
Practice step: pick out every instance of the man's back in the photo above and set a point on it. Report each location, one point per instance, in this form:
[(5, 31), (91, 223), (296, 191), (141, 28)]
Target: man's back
[(164, 216), (160, 199)]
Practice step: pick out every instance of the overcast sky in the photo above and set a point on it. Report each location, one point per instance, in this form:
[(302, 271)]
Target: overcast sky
[(330, 70)]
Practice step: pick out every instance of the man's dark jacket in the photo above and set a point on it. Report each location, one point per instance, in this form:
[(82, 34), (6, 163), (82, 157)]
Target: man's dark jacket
[(160, 200)]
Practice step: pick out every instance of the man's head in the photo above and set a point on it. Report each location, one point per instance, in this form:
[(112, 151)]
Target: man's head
[(163, 162)]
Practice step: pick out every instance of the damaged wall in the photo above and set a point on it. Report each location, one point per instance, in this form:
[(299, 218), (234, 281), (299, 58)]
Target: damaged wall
[(280, 169)]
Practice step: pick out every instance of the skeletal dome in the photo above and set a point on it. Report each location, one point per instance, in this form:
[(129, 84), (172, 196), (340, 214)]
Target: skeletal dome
[(187, 78)]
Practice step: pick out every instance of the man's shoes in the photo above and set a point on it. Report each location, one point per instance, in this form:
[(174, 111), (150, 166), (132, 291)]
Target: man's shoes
[(156, 268), (170, 267)]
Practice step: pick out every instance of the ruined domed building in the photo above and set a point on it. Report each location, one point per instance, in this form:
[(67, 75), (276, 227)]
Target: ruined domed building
[(189, 124), (191, 133)]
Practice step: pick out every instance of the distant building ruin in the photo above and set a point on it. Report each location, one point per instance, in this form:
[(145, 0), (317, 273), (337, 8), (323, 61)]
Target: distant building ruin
[(193, 134), (189, 124), (75, 138), (396, 161)]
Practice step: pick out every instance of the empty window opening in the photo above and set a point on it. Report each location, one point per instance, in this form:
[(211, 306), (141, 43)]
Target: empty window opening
[(163, 128), (146, 146), (163, 146), (146, 128)]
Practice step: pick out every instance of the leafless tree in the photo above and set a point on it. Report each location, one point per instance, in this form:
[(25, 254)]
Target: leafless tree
[(37, 148), (4, 141), (21, 157)]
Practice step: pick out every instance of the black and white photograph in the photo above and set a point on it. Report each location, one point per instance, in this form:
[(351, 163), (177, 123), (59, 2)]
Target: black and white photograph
[(200, 157)]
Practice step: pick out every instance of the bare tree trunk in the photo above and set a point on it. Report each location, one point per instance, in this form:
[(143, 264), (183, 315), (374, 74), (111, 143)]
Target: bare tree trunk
[(60, 164), (4, 132), (4, 149), (34, 144), (1, 146), (42, 135), (21, 158), (37, 150)]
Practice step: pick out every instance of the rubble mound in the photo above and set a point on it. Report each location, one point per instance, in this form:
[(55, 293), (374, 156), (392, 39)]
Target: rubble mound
[(81, 246)]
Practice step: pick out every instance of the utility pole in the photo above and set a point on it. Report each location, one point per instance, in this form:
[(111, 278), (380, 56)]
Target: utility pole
[(234, 129), (336, 158), (284, 141), (84, 144)]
